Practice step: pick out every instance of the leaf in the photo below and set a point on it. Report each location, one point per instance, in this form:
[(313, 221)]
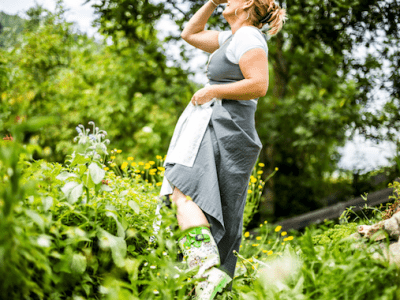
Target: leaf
[(79, 159), (105, 188), (78, 263), (47, 203), (68, 187), (88, 182), (96, 172), (65, 175), (123, 193), (116, 244), (120, 228), (36, 218), (72, 190), (132, 204)]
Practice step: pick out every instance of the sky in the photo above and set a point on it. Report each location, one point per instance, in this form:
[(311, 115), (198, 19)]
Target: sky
[(359, 154)]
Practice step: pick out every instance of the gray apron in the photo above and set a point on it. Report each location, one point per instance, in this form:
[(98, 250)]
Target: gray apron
[(219, 178)]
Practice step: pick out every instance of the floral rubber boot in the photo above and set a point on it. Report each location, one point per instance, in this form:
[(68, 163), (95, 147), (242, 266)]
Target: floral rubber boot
[(216, 281), (199, 250)]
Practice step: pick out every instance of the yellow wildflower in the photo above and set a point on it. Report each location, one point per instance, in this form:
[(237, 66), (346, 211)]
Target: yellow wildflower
[(270, 252), (142, 172), (249, 191), (289, 238), (147, 166), (159, 157), (141, 163), (261, 225), (278, 228), (258, 238), (151, 162), (241, 246), (260, 186), (106, 168), (161, 168), (260, 172), (133, 164), (138, 176), (283, 243), (283, 233), (253, 179), (113, 165), (261, 165), (124, 165), (265, 222), (265, 251), (112, 157), (247, 234), (119, 151), (276, 169), (130, 158)]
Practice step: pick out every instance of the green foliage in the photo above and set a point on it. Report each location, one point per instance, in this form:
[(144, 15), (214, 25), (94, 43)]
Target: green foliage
[(335, 234), (55, 72), (79, 230), (301, 122)]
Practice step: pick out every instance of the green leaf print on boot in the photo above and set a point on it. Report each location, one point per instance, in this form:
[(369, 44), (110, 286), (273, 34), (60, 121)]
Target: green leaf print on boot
[(199, 250)]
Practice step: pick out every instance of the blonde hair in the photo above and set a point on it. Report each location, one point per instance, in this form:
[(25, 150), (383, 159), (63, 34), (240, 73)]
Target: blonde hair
[(261, 9)]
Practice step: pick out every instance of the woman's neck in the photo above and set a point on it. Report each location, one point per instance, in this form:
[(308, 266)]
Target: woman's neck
[(239, 24)]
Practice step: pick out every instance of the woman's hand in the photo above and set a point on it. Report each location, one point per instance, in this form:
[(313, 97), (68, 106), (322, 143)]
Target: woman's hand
[(203, 96)]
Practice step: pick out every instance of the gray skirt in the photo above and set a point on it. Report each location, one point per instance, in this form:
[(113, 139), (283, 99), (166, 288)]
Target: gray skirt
[(219, 179)]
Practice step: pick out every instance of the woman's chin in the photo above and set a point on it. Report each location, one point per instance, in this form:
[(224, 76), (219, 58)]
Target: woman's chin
[(226, 14)]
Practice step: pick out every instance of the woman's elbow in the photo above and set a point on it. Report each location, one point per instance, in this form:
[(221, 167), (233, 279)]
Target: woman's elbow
[(262, 90), (184, 35)]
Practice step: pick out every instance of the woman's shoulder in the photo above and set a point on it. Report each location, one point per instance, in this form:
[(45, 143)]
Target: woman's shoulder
[(245, 39), (249, 32)]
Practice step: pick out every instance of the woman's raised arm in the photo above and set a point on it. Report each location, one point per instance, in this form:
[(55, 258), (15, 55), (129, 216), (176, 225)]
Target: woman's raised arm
[(194, 33)]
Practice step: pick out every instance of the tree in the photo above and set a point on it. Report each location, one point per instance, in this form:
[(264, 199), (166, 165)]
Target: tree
[(124, 87)]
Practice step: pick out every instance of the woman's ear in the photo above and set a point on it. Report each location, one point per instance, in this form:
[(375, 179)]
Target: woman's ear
[(248, 4)]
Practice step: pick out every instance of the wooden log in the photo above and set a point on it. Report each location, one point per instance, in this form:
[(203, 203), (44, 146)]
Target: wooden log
[(335, 211)]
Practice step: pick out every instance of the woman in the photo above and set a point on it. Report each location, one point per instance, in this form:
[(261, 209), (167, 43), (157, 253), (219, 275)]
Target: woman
[(215, 144)]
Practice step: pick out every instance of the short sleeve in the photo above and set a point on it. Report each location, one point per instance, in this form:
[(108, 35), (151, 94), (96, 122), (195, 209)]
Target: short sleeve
[(245, 39), (223, 36)]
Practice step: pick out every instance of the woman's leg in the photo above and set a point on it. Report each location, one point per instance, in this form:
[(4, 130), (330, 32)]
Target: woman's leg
[(188, 213)]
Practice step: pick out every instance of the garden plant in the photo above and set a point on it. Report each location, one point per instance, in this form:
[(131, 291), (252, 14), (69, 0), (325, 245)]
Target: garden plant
[(82, 229)]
